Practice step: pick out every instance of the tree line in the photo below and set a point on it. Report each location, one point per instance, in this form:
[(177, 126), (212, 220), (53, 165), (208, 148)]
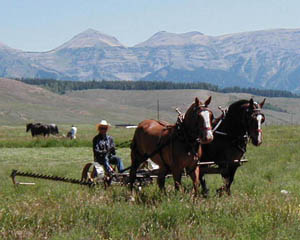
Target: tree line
[(61, 87)]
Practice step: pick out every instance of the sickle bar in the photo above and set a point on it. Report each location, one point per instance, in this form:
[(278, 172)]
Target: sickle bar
[(15, 173)]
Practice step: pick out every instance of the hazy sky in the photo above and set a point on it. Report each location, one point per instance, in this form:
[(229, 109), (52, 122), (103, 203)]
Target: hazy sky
[(41, 25)]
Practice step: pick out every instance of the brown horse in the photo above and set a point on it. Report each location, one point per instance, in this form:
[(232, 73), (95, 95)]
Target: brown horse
[(173, 147), (242, 122)]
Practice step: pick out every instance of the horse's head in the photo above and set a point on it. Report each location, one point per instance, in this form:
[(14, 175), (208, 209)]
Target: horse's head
[(254, 119), (198, 121), (28, 126)]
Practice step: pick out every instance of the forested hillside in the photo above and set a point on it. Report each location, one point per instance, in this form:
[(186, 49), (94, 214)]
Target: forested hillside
[(21, 103), (62, 87)]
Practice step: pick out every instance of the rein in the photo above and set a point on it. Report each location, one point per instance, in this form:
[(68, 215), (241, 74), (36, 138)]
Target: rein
[(160, 147), (146, 156)]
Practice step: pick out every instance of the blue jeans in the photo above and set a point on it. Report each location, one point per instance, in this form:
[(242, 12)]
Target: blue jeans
[(111, 159)]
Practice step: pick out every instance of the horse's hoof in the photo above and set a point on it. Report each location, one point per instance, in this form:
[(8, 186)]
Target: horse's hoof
[(131, 199), (205, 193), (219, 192)]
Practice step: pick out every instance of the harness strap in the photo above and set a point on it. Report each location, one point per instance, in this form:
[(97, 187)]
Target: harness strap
[(146, 156), (221, 133), (224, 111), (216, 127)]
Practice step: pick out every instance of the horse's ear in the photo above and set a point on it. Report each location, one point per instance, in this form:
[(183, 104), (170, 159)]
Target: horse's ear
[(251, 102), (197, 102), (207, 102), (262, 103)]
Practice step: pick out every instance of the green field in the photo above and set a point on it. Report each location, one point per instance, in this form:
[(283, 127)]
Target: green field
[(51, 210)]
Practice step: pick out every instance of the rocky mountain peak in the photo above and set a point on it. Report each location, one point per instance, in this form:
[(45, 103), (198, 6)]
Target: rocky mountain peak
[(91, 38), (164, 38), (5, 47)]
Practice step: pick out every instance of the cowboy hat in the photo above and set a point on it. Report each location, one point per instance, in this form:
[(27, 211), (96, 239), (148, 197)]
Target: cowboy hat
[(103, 123)]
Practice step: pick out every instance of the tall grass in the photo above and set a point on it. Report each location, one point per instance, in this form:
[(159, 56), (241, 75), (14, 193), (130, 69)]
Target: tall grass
[(257, 208)]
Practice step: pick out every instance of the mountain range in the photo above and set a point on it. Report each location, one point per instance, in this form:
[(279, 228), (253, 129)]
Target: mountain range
[(261, 59)]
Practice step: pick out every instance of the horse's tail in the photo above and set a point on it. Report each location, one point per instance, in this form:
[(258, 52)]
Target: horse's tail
[(135, 155), (136, 159)]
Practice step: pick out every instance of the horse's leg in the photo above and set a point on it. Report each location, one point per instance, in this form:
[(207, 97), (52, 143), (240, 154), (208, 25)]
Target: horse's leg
[(205, 190), (228, 177), (195, 176), (177, 179), (161, 178), (132, 175), (136, 160)]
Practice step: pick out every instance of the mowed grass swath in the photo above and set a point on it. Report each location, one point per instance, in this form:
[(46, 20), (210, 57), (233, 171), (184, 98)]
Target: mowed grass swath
[(257, 209)]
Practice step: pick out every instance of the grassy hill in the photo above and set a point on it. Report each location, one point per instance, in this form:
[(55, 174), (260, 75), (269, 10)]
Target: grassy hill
[(21, 103)]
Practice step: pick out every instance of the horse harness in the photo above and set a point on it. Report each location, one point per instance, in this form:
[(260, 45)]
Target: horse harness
[(191, 142)]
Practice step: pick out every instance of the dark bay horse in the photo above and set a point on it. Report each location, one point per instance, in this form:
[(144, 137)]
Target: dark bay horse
[(178, 146), (38, 129), (242, 122)]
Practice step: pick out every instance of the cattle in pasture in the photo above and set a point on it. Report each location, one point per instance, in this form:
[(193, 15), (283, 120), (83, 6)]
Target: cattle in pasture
[(53, 129), (42, 129)]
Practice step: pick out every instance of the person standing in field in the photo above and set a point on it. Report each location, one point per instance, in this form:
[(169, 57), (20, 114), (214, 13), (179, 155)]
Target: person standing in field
[(72, 133), (104, 148)]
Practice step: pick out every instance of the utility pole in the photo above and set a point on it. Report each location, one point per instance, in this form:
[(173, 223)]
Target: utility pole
[(158, 109)]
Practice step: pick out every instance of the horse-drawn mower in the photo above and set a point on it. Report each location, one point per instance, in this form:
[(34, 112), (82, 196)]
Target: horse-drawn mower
[(93, 174)]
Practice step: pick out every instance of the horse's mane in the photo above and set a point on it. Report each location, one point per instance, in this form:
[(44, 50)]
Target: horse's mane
[(236, 105), (232, 120), (191, 108)]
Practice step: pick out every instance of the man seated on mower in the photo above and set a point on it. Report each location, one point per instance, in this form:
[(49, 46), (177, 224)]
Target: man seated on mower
[(104, 149)]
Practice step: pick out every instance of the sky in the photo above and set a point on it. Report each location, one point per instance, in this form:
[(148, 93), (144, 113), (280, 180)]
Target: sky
[(37, 25)]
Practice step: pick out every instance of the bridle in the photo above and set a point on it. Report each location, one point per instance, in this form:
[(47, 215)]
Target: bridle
[(191, 135), (198, 110), (254, 115), (249, 117)]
